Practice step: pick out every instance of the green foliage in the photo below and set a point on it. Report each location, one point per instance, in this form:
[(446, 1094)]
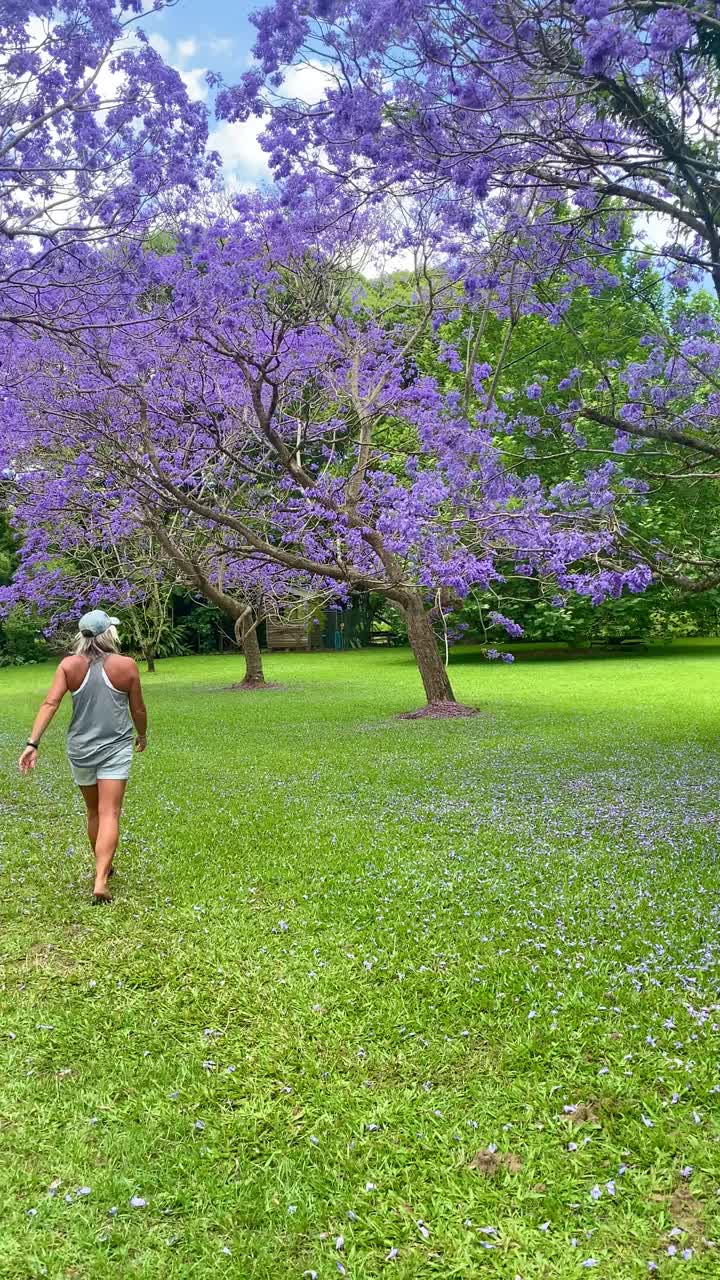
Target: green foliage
[(7, 550), (21, 640), (658, 613), (204, 626), (386, 620), (165, 639)]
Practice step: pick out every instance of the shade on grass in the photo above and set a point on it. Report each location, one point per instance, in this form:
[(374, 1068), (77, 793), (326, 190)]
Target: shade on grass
[(348, 957)]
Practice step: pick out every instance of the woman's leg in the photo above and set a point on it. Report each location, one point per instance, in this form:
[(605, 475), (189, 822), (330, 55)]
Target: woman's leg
[(110, 799), (90, 796)]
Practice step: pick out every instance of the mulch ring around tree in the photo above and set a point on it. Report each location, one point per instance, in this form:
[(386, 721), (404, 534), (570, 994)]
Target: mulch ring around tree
[(253, 686), (440, 711)]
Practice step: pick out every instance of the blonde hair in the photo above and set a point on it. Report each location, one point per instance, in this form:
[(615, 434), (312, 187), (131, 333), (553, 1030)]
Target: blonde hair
[(97, 646)]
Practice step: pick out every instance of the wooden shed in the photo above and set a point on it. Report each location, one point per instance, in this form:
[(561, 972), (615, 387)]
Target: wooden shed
[(281, 634)]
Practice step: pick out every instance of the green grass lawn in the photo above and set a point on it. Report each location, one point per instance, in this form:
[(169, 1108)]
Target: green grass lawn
[(346, 955)]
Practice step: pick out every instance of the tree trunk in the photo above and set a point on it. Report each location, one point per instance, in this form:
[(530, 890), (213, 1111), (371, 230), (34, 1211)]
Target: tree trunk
[(436, 681), (149, 659), (254, 673), (246, 637)]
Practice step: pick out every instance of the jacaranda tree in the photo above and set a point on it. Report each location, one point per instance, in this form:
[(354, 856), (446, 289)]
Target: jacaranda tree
[(265, 401), (97, 137), (519, 103), (535, 129)]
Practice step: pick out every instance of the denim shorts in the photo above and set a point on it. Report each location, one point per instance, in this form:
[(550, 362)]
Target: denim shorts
[(116, 767)]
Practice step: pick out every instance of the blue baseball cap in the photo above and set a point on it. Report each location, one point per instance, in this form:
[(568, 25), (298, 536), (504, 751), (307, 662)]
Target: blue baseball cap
[(95, 622)]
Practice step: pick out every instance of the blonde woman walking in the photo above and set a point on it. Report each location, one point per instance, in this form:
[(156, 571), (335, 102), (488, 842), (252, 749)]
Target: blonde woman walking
[(107, 700)]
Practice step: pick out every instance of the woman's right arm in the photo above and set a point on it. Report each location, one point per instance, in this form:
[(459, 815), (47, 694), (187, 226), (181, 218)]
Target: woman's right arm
[(48, 707)]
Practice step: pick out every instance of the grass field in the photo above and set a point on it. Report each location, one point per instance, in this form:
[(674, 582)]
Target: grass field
[(375, 997)]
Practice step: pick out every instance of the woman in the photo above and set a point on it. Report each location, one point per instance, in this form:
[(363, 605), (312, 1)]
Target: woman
[(106, 693)]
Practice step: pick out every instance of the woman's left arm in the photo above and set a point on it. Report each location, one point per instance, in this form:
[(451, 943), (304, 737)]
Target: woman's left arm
[(48, 707)]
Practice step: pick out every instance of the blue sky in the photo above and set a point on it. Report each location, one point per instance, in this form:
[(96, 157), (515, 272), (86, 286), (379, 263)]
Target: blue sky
[(200, 35)]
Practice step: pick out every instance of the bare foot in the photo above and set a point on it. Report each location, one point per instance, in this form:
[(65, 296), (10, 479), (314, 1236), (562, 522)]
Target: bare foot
[(101, 897)]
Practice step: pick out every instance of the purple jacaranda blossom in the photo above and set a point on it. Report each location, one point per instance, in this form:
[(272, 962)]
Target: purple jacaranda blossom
[(99, 126)]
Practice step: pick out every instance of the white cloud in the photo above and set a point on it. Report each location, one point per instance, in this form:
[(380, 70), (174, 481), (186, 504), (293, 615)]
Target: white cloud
[(160, 44), (308, 82), (186, 49), (378, 263), (244, 161), (194, 80)]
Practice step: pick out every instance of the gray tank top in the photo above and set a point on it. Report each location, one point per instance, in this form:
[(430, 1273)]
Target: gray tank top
[(100, 723)]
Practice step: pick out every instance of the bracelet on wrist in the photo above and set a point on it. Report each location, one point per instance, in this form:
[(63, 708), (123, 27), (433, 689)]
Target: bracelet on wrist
[(34, 745)]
